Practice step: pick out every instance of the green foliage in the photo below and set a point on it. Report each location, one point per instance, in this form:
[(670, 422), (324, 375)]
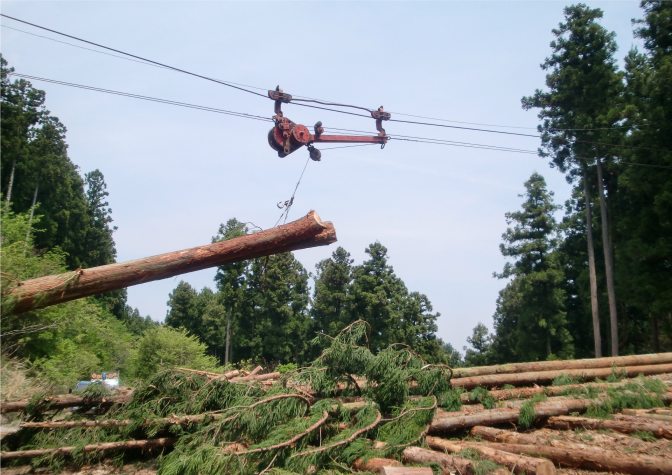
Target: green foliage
[(527, 415), (483, 396), (285, 368), (480, 466), (164, 347), (480, 341), (277, 425), (530, 319), (566, 379), (645, 435)]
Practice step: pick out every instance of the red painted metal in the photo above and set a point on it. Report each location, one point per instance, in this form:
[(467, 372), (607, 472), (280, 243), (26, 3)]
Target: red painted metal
[(287, 136)]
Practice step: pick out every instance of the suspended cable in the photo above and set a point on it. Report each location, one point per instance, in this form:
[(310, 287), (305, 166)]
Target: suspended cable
[(288, 204), (295, 98), (146, 98), (136, 57), (267, 119)]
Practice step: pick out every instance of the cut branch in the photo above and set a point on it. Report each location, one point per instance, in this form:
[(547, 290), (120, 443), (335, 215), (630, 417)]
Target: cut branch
[(62, 402), (303, 233), (126, 445)]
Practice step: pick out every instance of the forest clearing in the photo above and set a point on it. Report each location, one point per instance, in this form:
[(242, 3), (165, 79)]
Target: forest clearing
[(353, 410), (192, 342)]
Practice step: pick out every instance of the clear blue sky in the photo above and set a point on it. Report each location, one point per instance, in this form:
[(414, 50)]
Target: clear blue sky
[(175, 174)]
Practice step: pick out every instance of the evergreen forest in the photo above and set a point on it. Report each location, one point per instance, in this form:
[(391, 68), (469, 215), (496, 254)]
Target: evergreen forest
[(586, 278)]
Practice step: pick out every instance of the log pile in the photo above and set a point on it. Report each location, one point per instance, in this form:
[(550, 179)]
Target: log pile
[(608, 414)]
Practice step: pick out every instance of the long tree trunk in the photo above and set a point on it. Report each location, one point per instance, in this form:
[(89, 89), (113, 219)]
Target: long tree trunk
[(661, 429), (593, 458), (303, 233), (608, 262), (588, 363), (546, 377), (516, 463), (11, 182), (228, 337), (32, 211), (591, 267)]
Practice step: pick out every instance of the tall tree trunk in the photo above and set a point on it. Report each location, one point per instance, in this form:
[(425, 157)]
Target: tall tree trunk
[(606, 243), (32, 211), (11, 182), (591, 268), (654, 333), (228, 337)]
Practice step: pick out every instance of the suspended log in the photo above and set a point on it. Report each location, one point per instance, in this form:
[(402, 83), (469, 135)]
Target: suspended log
[(546, 377), (562, 365), (516, 393), (593, 458), (658, 428), (303, 233), (498, 435), (517, 463), (126, 445), (62, 402), (498, 416)]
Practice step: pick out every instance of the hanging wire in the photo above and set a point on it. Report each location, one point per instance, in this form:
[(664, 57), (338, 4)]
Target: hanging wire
[(288, 204)]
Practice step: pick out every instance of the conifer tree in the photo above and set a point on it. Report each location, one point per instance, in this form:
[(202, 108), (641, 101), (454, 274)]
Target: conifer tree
[(580, 110), (330, 308), (541, 330)]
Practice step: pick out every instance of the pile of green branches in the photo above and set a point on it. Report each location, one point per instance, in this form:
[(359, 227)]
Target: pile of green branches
[(307, 422)]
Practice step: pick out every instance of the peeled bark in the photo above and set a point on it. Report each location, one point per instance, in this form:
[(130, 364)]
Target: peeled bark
[(591, 268), (424, 456), (659, 428), (498, 435), (517, 463), (594, 459), (500, 416), (62, 402), (644, 416), (589, 363), (608, 259), (303, 233), (546, 377), (374, 464), (126, 445), (257, 377)]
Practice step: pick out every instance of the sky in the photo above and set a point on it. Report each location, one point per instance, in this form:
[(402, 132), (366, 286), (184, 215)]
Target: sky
[(174, 174)]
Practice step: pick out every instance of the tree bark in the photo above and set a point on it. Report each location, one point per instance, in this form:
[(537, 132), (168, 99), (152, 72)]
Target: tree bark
[(609, 265), (594, 458), (500, 416), (303, 233), (634, 360), (11, 182), (257, 377), (591, 267), (660, 429), (32, 212), (517, 463), (228, 336), (643, 416), (498, 435), (126, 445), (374, 464), (63, 402), (545, 377), (505, 394), (424, 456)]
